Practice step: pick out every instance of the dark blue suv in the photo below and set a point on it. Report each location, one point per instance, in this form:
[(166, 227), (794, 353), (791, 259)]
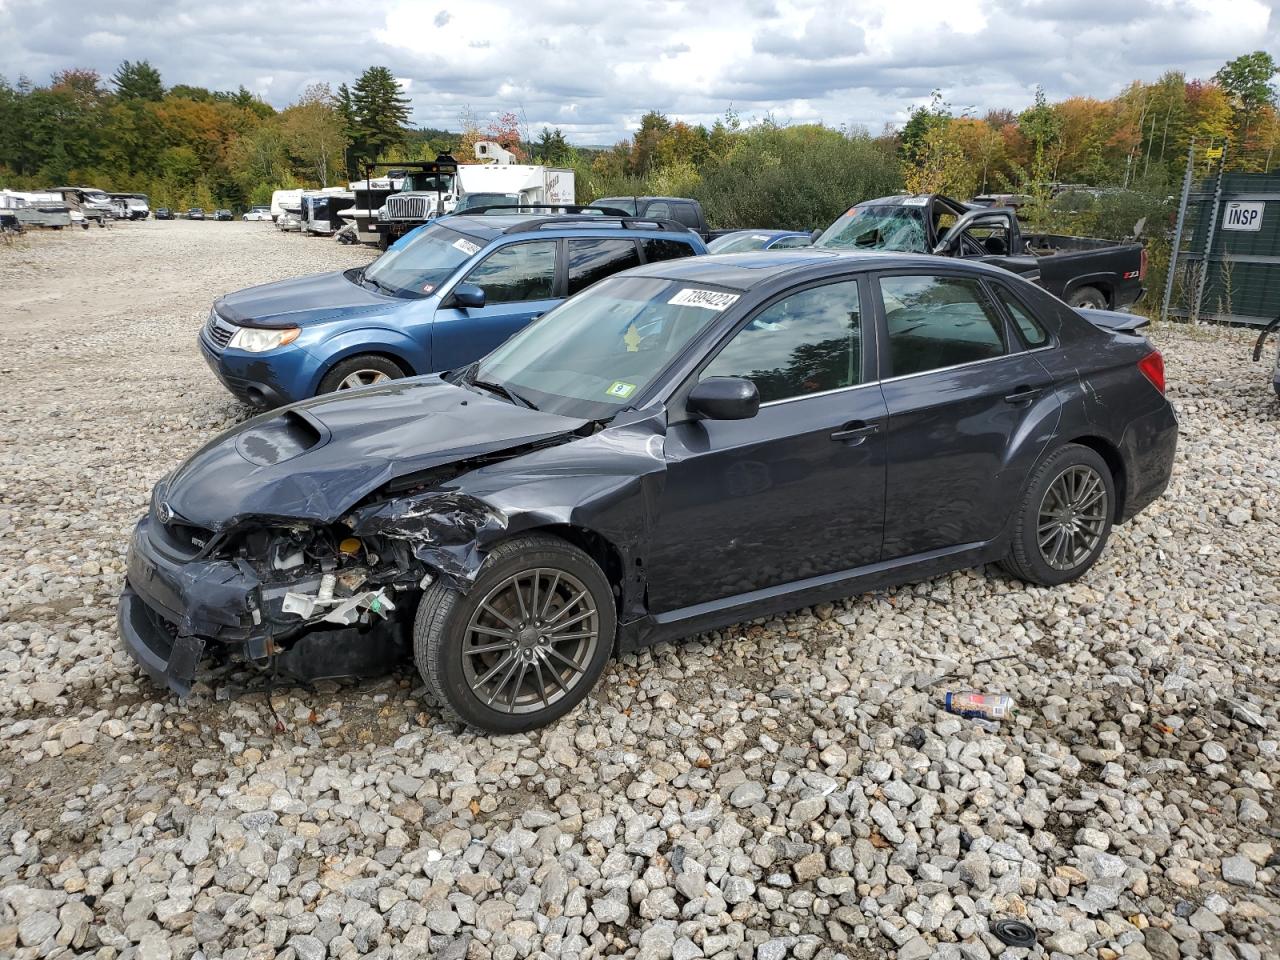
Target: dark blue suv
[(441, 297)]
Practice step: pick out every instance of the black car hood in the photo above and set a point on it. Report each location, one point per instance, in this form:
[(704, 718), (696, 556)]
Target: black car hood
[(314, 460), (301, 301)]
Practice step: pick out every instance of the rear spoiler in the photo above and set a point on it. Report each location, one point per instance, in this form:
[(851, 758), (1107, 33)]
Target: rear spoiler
[(1262, 338), (1114, 320)]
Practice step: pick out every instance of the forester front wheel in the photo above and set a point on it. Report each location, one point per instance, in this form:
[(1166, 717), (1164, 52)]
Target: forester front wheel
[(1064, 518), (525, 644)]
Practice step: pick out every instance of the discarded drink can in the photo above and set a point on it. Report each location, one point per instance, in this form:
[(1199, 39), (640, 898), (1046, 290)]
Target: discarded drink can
[(971, 704)]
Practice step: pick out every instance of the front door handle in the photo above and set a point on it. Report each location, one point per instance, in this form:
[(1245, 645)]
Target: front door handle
[(1023, 394), (854, 433)]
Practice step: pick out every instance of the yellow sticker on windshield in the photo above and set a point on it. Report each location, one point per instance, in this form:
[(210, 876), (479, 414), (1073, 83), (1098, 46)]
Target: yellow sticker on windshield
[(632, 339), (621, 389)]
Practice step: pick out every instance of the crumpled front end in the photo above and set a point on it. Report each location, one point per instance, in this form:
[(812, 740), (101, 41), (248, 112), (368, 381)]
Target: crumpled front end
[(302, 601)]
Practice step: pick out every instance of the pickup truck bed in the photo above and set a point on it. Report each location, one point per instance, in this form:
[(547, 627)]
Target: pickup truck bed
[(1083, 271)]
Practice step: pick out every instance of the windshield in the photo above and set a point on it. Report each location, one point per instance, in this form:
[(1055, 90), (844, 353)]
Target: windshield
[(898, 228), (738, 243), (600, 350), (418, 264), (427, 183)]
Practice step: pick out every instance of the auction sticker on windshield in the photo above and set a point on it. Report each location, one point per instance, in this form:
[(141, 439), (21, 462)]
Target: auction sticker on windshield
[(706, 299), (621, 389), (466, 246)]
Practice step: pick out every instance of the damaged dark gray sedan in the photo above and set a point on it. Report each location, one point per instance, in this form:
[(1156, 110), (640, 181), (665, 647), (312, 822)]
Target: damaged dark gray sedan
[(678, 448)]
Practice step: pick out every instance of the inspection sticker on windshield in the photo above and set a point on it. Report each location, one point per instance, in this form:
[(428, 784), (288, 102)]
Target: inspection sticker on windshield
[(916, 202), (621, 389), (707, 299), (466, 246)]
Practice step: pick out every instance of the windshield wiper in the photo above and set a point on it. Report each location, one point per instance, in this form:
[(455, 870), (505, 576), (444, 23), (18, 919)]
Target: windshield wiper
[(503, 391)]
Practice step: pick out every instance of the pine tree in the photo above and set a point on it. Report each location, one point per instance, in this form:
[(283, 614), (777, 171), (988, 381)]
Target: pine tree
[(138, 81), (377, 110)]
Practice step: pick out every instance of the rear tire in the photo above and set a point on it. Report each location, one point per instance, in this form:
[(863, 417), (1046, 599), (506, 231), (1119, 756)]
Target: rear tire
[(1064, 518), (1089, 298), (509, 662), (360, 371)]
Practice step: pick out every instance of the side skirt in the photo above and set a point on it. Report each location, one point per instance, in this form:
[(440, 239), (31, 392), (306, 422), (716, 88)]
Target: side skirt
[(724, 612)]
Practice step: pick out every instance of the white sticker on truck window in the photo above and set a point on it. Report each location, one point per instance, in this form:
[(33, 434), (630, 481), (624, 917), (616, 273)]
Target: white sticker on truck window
[(916, 202), (466, 246), (707, 299)]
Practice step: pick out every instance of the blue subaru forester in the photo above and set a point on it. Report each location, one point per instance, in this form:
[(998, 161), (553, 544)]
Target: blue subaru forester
[(439, 298)]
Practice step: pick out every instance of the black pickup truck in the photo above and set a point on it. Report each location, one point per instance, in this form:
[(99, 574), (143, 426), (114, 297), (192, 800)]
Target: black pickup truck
[(682, 210), (1080, 270)]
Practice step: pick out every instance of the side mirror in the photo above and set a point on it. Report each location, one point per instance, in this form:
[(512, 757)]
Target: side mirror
[(724, 398), (467, 295), (814, 235)]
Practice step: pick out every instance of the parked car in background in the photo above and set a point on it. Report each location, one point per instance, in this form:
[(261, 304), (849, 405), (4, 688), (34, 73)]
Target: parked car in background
[(164, 213), (257, 213), (684, 446), (1081, 270), (743, 241), (441, 297), (682, 210), (195, 213), (223, 215)]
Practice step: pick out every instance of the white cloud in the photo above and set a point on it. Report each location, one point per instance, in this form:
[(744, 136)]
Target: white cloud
[(594, 69)]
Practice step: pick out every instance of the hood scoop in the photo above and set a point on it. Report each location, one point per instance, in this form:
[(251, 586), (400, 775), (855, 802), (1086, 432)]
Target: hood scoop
[(281, 438)]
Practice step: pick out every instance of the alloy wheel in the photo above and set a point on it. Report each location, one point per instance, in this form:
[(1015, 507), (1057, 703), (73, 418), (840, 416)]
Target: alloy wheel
[(362, 378), (1072, 517), (530, 640)]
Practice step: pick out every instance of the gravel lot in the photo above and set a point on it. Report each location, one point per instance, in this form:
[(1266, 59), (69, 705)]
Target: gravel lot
[(783, 788)]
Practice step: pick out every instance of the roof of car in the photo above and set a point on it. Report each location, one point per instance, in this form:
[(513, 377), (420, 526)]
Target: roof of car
[(767, 232), (743, 271)]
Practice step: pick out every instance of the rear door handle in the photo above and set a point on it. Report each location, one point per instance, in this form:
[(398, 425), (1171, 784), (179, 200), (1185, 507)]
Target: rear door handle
[(855, 432), (1023, 394)]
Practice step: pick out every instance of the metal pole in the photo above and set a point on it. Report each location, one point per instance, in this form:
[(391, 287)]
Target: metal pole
[(1177, 231), (1208, 242)]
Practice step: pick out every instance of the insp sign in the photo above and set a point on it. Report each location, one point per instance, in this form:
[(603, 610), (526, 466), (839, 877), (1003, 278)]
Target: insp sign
[(1243, 215)]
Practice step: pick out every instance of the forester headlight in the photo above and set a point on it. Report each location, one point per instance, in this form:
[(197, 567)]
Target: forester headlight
[(258, 340)]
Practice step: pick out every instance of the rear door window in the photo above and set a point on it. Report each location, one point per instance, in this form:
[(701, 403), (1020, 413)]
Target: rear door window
[(592, 260), (686, 213), (517, 272), (660, 210), (660, 248), (938, 321), (1028, 326)]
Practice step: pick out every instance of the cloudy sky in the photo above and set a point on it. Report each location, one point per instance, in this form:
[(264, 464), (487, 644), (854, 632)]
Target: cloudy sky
[(592, 68)]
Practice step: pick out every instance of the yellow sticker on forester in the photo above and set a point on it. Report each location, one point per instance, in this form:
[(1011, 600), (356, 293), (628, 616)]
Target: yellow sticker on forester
[(621, 389)]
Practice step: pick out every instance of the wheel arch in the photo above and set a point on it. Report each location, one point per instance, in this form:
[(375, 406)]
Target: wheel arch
[(1110, 453), (357, 350)]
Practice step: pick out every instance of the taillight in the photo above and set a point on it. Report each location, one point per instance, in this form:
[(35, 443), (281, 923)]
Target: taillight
[(1142, 265), (1152, 367)]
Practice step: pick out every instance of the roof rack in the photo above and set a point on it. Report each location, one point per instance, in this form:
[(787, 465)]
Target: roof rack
[(567, 208), (609, 218)]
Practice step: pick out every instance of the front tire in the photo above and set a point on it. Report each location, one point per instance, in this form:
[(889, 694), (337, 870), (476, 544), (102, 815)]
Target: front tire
[(528, 641), (1064, 518), (361, 371)]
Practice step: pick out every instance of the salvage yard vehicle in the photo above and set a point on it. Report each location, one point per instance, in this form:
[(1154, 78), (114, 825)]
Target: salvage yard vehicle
[(680, 447), (741, 241), (439, 298), (1083, 271), (164, 213), (257, 213), (223, 214), (195, 213), (680, 209)]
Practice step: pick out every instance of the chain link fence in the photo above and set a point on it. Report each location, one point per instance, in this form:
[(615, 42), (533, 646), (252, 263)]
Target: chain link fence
[(1225, 253)]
